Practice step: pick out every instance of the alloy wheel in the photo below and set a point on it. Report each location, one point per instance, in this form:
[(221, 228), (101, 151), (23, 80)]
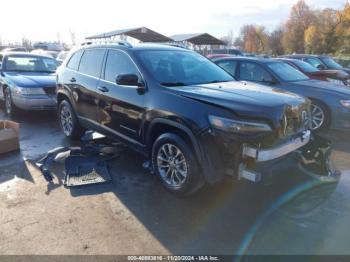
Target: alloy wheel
[(317, 117), (66, 121), (172, 165)]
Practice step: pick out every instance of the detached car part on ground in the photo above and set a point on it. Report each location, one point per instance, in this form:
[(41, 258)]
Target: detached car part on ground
[(27, 82), (330, 107), (187, 115)]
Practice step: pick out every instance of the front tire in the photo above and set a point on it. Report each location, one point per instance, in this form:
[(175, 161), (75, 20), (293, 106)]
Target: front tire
[(69, 121), (10, 108), (175, 164)]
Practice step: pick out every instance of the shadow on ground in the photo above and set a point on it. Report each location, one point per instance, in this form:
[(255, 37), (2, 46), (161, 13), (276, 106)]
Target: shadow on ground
[(222, 219)]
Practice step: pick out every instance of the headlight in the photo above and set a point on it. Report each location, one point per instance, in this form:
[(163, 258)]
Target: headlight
[(237, 126), (28, 90), (345, 103)]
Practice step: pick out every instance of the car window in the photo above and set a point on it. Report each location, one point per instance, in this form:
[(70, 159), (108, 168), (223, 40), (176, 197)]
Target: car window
[(181, 68), (254, 72), (74, 60), (118, 63), (229, 66), (32, 63), (305, 66), (315, 62), (331, 63), (91, 62), (287, 72)]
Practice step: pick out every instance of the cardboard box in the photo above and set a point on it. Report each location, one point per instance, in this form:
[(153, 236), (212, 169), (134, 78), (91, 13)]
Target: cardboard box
[(9, 136)]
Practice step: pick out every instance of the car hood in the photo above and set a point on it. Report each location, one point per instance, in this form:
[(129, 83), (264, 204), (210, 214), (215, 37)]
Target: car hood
[(324, 85), (244, 99), (32, 79)]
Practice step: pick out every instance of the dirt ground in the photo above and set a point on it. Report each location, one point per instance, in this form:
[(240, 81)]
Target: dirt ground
[(133, 214)]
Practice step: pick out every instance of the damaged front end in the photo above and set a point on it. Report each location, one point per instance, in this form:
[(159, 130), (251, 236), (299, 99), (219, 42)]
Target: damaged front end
[(305, 152), (309, 152)]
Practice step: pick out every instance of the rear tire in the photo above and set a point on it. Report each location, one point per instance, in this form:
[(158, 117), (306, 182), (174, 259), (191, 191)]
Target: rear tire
[(175, 164), (69, 122), (10, 108)]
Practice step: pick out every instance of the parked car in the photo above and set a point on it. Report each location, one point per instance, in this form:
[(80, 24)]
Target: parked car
[(330, 102), (15, 49), (229, 51), (61, 56), (334, 76), (187, 115), (321, 62), (52, 54), (27, 82), (212, 56)]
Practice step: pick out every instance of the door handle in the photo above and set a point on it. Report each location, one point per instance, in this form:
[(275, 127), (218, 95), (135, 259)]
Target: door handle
[(73, 80), (103, 89)]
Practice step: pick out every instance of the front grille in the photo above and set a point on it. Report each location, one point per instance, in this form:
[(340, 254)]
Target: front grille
[(50, 90)]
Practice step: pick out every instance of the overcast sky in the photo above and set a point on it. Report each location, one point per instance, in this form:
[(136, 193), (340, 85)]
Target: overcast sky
[(41, 20)]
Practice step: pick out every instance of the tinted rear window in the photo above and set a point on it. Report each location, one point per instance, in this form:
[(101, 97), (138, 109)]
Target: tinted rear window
[(91, 62)]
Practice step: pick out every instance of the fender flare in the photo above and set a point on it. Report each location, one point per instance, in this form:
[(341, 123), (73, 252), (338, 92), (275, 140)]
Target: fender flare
[(196, 146)]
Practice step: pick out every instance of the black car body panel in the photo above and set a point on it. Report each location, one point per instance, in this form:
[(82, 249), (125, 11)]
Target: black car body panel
[(136, 115)]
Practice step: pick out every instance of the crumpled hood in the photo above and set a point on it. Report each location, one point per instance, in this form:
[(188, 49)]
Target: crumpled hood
[(243, 99), (34, 79), (331, 87)]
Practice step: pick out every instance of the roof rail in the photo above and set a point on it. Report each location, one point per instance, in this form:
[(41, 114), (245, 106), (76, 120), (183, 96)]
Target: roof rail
[(176, 45), (106, 42)]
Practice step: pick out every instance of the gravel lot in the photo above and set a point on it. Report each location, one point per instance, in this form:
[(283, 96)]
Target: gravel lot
[(134, 215)]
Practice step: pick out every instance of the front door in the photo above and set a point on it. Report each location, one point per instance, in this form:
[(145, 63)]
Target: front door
[(120, 107)]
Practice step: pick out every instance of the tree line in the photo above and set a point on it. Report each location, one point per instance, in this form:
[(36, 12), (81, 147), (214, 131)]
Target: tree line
[(307, 30)]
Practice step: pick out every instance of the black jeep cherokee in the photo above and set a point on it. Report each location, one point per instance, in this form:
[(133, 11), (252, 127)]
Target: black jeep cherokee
[(191, 118)]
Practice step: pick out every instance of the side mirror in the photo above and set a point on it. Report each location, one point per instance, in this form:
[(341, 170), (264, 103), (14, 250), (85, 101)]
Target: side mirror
[(321, 67), (129, 80), (270, 81)]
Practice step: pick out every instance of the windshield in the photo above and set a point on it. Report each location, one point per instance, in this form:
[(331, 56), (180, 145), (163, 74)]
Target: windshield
[(180, 68), (305, 66), (287, 72), (27, 63), (331, 63)]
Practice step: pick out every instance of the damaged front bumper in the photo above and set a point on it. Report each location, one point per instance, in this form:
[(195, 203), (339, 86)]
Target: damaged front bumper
[(309, 153), (261, 155)]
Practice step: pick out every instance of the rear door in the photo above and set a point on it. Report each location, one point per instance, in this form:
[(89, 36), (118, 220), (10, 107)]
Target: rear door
[(120, 107), (85, 83)]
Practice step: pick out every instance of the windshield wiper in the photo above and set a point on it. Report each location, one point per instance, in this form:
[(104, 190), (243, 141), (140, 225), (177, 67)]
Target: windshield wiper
[(218, 81), (44, 71), (173, 84)]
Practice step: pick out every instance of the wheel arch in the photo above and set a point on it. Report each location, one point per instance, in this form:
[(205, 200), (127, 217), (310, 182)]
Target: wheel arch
[(161, 126), (62, 96)]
